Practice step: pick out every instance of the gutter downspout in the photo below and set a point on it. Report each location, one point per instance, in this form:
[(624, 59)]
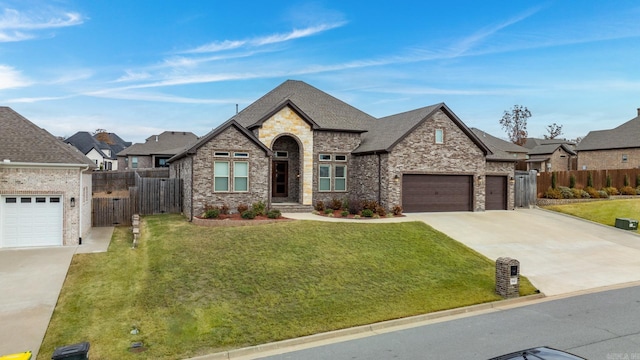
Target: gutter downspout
[(379, 177), (191, 192)]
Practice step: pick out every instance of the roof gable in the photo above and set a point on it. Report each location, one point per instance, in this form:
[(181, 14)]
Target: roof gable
[(166, 143), (192, 149), (388, 131), (317, 107), (501, 149), (624, 136), (23, 141)]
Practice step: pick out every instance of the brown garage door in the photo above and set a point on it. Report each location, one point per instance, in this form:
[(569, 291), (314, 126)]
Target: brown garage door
[(496, 193), (431, 193)]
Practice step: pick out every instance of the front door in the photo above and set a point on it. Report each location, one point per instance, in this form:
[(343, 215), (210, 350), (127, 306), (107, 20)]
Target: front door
[(280, 183)]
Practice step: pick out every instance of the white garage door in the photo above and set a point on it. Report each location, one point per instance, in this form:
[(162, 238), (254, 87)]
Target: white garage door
[(30, 220)]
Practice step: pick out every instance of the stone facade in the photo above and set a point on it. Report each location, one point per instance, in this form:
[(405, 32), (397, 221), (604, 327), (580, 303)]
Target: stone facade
[(418, 153), (290, 146), (288, 122), (201, 173), (609, 159), (504, 169), (365, 178), (67, 182), (333, 143)]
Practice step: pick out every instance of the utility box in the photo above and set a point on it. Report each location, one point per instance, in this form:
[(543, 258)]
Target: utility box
[(626, 224), (507, 277), (72, 352)]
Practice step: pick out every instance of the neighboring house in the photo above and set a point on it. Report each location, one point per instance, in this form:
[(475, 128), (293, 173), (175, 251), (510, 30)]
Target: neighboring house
[(504, 158), (551, 154), (45, 186), (155, 151), (618, 148), (100, 148), (297, 145)]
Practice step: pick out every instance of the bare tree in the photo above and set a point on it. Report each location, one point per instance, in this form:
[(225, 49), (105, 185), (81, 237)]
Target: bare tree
[(554, 131), (103, 135), (515, 123)]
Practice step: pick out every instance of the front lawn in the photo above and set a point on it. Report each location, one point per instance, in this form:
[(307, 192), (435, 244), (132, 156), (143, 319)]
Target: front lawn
[(603, 212), (193, 290)]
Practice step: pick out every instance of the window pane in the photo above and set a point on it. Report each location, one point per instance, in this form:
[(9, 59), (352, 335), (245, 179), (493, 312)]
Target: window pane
[(325, 184), (341, 184), (240, 184), (241, 169), (340, 171), (221, 184), (439, 136), (221, 168), (325, 171)]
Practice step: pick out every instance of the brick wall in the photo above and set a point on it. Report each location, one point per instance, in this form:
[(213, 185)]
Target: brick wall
[(419, 154), (608, 159), (54, 181)]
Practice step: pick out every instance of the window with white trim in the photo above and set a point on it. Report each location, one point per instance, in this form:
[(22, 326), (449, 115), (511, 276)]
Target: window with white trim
[(221, 176), (324, 177), (281, 154), (341, 157), (240, 155), (134, 162), (325, 157), (439, 136), (240, 176), (340, 182), (221, 154), (625, 158)]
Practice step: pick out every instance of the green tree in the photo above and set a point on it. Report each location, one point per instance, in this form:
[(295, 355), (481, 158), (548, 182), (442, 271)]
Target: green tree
[(514, 123)]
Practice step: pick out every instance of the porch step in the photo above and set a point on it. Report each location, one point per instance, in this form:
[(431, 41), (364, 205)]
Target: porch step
[(292, 207)]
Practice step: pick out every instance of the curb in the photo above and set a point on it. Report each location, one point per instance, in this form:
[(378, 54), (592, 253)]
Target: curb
[(363, 330)]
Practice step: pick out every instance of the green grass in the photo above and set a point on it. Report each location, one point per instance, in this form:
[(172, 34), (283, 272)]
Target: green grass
[(196, 290), (603, 212)]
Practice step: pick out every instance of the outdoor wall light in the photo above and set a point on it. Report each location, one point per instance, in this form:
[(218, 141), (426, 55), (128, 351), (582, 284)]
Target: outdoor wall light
[(73, 202), (511, 180), (479, 180), (396, 178)]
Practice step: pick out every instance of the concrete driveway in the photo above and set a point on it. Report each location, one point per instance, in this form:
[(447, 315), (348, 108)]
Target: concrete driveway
[(558, 253), (30, 283)]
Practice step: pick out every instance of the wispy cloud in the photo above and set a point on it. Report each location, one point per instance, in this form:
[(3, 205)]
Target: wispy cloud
[(19, 26), (157, 98), (11, 78), (218, 46), (38, 99)]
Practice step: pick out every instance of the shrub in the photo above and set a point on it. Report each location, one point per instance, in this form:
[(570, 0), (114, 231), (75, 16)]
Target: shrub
[(224, 209), (603, 194), (638, 180), (248, 214), (609, 181), (376, 216), (593, 193), (381, 211), (589, 180), (610, 190), (370, 204), (211, 214), (274, 214), (565, 192), (328, 211), (572, 181), (330, 214), (397, 210), (335, 204), (638, 190), (626, 180), (242, 208), (554, 180), (319, 206), (356, 216), (628, 190), (259, 208), (367, 213), (577, 193), (344, 213), (552, 193), (355, 206), (584, 194)]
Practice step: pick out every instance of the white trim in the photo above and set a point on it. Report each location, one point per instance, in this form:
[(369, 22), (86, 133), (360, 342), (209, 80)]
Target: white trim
[(9, 164)]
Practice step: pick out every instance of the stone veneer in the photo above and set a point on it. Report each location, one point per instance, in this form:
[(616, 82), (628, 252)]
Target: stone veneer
[(201, 175), (419, 154), (504, 169), (608, 159), (287, 122), (54, 181), (334, 143)]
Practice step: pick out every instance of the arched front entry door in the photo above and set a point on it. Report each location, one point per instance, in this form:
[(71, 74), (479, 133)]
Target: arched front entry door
[(285, 170)]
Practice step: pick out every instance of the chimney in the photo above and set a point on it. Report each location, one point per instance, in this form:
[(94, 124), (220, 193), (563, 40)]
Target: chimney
[(638, 111), (156, 138)]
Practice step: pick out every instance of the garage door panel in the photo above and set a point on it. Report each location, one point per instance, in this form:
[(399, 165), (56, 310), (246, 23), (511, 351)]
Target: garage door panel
[(496, 193), (431, 193), (30, 221)]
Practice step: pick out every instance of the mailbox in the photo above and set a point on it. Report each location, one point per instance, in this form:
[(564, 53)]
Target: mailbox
[(507, 277)]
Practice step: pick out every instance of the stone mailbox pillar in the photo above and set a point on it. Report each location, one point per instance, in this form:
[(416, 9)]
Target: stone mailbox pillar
[(508, 277)]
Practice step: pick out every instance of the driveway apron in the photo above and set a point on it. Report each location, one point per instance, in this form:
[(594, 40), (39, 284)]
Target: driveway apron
[(559, 254)]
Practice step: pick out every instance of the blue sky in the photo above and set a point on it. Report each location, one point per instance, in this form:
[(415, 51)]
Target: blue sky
[(138, 68)]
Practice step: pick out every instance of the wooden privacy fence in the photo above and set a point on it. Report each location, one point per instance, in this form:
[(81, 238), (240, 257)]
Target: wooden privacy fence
[(148, 196), (563, 178), (106, 181)]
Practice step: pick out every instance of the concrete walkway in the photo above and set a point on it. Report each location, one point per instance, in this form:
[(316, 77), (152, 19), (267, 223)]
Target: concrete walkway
[(560, 254), (30, 283)]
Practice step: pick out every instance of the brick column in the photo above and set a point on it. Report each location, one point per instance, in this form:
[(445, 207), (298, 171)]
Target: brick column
[(507, 277)]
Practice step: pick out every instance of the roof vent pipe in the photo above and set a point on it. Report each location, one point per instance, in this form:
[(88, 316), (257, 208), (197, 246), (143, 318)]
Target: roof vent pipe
[(237, 109), (638, 111), (156, 138)]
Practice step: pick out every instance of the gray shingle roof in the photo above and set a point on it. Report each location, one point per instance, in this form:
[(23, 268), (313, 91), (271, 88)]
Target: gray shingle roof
[(324, 111), (167, 143), (531, 143), (624, 136), (502, 150), (547, 149), (23, 141), (84, 142)]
